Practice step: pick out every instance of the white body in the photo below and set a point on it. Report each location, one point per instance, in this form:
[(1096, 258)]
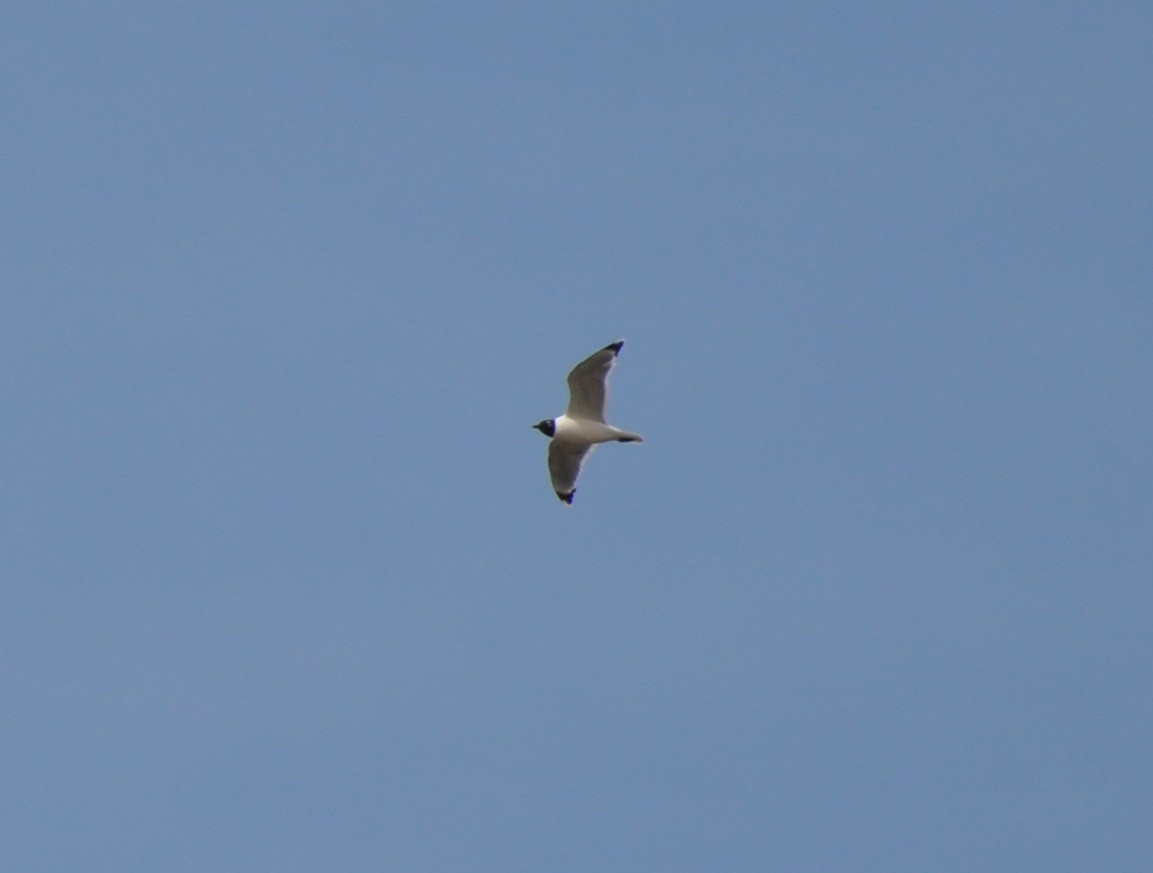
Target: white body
[(587, 432)]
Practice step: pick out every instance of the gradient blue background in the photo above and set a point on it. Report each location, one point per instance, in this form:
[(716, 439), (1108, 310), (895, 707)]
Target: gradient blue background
[(285, 586)]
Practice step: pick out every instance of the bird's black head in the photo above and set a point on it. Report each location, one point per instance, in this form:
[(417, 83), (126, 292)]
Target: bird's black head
[(547, 427)]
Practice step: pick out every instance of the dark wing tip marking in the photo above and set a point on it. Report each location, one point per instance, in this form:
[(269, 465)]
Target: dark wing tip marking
[(567, 498), (615, 347)]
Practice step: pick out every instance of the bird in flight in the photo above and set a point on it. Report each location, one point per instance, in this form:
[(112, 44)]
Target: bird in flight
[(582, 427)]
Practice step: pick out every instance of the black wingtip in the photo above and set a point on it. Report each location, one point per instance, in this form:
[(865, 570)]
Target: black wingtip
[(616, 347), (567, 498)]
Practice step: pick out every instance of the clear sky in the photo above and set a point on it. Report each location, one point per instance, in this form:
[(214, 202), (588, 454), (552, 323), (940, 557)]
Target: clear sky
[(285, 586)]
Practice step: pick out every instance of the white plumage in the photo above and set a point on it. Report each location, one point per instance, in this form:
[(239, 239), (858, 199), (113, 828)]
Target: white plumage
[(576, 433)]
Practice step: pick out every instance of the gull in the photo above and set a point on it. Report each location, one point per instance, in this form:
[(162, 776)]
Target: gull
[(583, 426)]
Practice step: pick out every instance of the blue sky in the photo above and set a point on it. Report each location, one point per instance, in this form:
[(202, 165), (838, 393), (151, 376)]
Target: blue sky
[(285, 585)]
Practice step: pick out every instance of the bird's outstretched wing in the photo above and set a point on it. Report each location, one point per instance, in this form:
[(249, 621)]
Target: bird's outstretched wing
[(564, 465), (587, 390)]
